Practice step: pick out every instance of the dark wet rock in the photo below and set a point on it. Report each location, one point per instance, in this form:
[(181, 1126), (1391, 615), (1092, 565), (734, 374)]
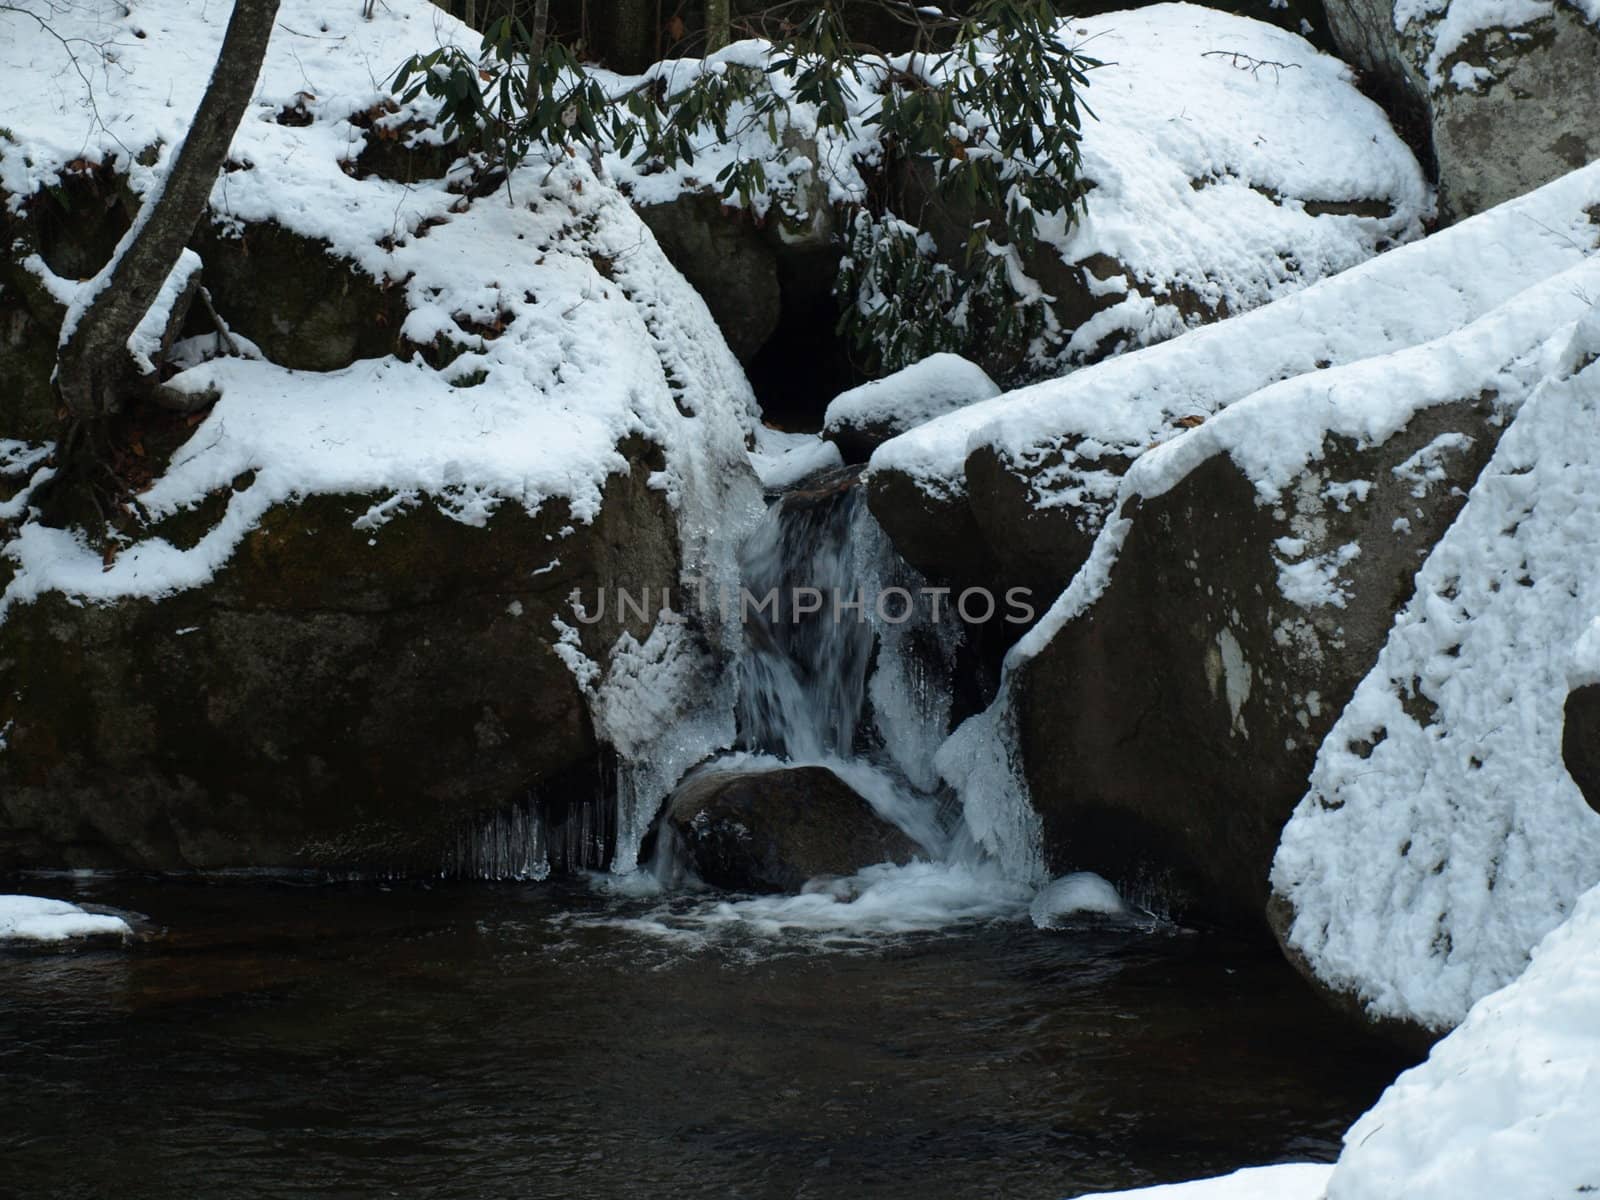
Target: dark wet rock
[(335, 698), (771, 831), (1036, 546), (304, 307), (727, 260), (1168, 732), (1580, 741), (933, 531), (72, 227)]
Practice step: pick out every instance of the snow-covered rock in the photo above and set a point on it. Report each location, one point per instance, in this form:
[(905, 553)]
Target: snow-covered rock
[(1077, 894), (1508, 89), (862, 419), (1442, 835), (37, 919), (1194, 211), (1165, 713), (340, 620), (1049, 456), (1509, 1103)]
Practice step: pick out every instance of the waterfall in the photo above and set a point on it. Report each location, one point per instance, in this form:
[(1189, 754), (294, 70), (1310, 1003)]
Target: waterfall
[(845, 664), (802, 676)]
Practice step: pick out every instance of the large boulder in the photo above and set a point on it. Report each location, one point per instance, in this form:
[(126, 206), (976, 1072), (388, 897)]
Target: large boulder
[(1441, 834), (771, 831), (327, 619), (1165, 714), (1167, 733), (1506, 97), (338, 696), (1018, 488)]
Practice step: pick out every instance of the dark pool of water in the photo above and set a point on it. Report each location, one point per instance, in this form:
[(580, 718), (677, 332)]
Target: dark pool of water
[(288, 1040)]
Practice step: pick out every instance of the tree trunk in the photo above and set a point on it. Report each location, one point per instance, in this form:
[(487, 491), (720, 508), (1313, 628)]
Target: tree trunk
[(93, 366), (719, 24), (627, 41)]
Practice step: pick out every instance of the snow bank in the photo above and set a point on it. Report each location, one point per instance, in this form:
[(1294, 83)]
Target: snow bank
[(1290, 1181), (1073, 436), (1508, 1104), (1442, 837), (599, 337), (36, 919)]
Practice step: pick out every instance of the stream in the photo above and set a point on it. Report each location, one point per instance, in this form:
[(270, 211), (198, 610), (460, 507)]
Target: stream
[(287, 1039), (908, 1031)]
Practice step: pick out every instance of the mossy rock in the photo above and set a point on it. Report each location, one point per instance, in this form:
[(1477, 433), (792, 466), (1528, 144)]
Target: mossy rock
[(336, 698), (305, 307)]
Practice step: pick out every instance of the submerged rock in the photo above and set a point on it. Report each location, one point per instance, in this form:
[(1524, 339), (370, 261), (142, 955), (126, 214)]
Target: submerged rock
[(771, 831)]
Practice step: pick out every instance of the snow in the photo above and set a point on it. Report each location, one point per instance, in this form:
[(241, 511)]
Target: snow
[(782, 460), (1197, 189), (1071, 895), (1445, 30), (1508, 1104), (586, 359), (36, 919), (1423, 868), (1087, 425), (602, 339), (1197, 194), (1288, 1181), (939, 384)]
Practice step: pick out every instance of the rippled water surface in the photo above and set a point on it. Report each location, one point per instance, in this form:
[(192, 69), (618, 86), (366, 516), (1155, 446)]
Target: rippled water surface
[(293, 1040)]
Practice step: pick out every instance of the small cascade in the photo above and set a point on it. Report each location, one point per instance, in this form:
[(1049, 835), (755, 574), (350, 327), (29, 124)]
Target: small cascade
[(845, 663), (808, 634)]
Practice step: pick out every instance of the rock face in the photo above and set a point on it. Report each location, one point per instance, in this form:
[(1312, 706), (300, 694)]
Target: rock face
[(312, 311), (1167, 733), (1580, 741), (770, 831), (728, 261), (292, 715), (1506, 108)]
